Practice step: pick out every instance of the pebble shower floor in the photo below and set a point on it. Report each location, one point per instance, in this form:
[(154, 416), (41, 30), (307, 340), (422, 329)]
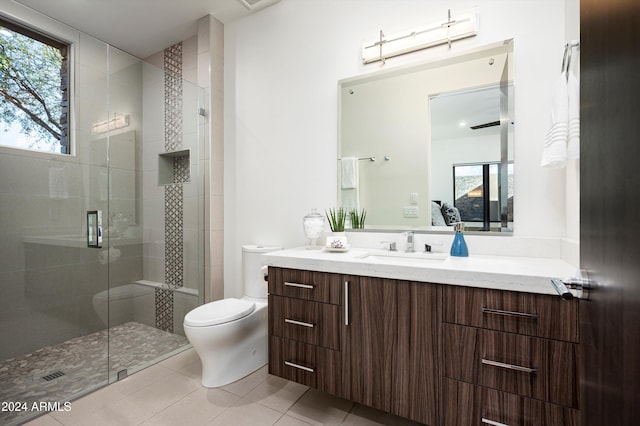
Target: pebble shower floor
[(56, 373)]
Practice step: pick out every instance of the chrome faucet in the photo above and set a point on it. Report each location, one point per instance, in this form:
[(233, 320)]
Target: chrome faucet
[(409, 235), (392, 245)]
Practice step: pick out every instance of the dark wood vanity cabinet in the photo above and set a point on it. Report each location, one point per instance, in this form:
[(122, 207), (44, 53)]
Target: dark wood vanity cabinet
[(391, 345), (305, 328), (387, 355), (436, 354), (509, 358)]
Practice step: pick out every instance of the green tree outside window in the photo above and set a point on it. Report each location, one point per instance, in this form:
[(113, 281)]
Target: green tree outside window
[(33, 90)]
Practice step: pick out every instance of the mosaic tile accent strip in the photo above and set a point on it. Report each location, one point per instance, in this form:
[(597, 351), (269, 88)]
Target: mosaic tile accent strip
[(84, 362), (173, 196), (173, 97), (164, 310), (173, 236), (181, 170)]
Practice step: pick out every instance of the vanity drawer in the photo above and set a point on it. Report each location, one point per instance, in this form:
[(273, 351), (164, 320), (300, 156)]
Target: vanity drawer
[(309, 365), (538, 368), (536, 315), (307, 285), (466, 404), (305, 321)]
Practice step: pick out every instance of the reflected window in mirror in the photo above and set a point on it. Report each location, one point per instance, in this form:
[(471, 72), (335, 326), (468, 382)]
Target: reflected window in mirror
[(477, 195)]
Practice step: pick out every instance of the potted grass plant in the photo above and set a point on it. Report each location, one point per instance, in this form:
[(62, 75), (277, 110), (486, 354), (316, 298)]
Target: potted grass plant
[(337, 239), (357, 219), (336, 218)]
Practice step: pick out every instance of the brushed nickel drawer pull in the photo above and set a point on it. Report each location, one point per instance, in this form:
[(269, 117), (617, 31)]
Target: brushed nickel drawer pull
[(307, 286), (493, 422), (486, 310), (302, 323), (509, 366), (298, 366)]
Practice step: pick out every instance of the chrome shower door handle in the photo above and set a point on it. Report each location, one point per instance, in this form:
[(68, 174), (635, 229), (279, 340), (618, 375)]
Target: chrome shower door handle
[(94, 228)]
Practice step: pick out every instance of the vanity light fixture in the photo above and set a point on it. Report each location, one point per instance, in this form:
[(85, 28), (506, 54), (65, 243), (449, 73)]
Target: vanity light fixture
[(119, 121), (462, 26)]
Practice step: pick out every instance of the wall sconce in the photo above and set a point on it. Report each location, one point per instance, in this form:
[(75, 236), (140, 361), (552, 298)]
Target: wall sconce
[(463, 26), (118, 121)]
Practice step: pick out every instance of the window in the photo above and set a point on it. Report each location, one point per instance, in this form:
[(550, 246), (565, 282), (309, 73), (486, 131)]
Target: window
[(477, 194), (34, 90)]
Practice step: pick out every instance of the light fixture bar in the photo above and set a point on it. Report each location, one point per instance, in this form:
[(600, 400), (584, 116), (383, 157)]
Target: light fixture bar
[(119, 121), (463, 26)]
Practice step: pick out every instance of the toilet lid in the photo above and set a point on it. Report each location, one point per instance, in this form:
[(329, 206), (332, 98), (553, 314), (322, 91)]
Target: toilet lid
[(219, 312)]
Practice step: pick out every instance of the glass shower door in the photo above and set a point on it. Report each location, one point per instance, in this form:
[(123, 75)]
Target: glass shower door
[(77, 313), (53, 338), (156, 249)]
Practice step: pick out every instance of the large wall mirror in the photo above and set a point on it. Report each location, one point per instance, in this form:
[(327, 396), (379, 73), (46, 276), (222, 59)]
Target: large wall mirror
[(427, 145)]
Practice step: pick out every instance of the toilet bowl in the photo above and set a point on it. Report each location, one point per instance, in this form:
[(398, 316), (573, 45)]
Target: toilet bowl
[(117, 305), (230, 335)]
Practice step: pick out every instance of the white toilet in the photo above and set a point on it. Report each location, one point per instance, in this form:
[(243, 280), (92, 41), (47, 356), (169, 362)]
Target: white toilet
[(230, 335)]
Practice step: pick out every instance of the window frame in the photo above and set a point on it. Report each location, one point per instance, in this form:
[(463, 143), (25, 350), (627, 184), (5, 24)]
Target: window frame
[(486, 220), (66, 77)]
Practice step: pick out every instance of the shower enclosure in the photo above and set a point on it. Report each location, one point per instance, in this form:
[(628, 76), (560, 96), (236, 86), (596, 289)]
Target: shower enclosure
[(77, 313)]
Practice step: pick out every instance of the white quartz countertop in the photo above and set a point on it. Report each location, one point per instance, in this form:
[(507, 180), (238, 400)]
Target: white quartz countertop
[(525, 274)]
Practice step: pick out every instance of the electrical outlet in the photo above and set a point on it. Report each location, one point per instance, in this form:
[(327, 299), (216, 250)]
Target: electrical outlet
[(410, 211)]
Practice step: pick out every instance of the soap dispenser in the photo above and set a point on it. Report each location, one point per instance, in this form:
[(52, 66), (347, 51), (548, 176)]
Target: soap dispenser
[(459, 246)]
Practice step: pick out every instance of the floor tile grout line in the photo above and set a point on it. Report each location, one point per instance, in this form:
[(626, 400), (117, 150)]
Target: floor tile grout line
[(251, 389), (287, 410), (168, 406), (292, 405), (353, 406)]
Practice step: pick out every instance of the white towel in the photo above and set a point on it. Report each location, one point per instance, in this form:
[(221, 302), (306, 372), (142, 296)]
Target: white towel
[(350, 177), (555, 147), (349, 172), (573, 145)]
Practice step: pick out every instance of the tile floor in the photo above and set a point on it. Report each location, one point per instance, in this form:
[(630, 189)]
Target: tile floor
[(169, 393), (80, 363)]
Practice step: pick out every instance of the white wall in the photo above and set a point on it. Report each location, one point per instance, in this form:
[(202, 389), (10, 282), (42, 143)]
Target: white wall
[(572, 30), (477, 149), (281, 71)]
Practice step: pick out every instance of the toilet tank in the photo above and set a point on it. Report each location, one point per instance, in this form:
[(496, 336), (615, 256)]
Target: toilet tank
[(252, 279)]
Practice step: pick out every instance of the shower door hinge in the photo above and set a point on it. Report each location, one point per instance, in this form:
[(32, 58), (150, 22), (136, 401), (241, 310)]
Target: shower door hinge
[(122, 374)]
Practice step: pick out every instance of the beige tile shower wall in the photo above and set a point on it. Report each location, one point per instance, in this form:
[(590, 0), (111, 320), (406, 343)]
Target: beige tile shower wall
[(153, 145), (125, 145), (210, 77), (192, 190), (152, 193)]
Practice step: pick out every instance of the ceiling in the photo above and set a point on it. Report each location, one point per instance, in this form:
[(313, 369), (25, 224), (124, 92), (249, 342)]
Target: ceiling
[(143, 27), (453, 114)]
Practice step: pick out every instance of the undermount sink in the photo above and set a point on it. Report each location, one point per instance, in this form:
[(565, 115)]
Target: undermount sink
[(390, 256)]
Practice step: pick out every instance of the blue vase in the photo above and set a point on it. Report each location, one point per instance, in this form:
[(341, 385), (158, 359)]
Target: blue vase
[(459, 246)]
